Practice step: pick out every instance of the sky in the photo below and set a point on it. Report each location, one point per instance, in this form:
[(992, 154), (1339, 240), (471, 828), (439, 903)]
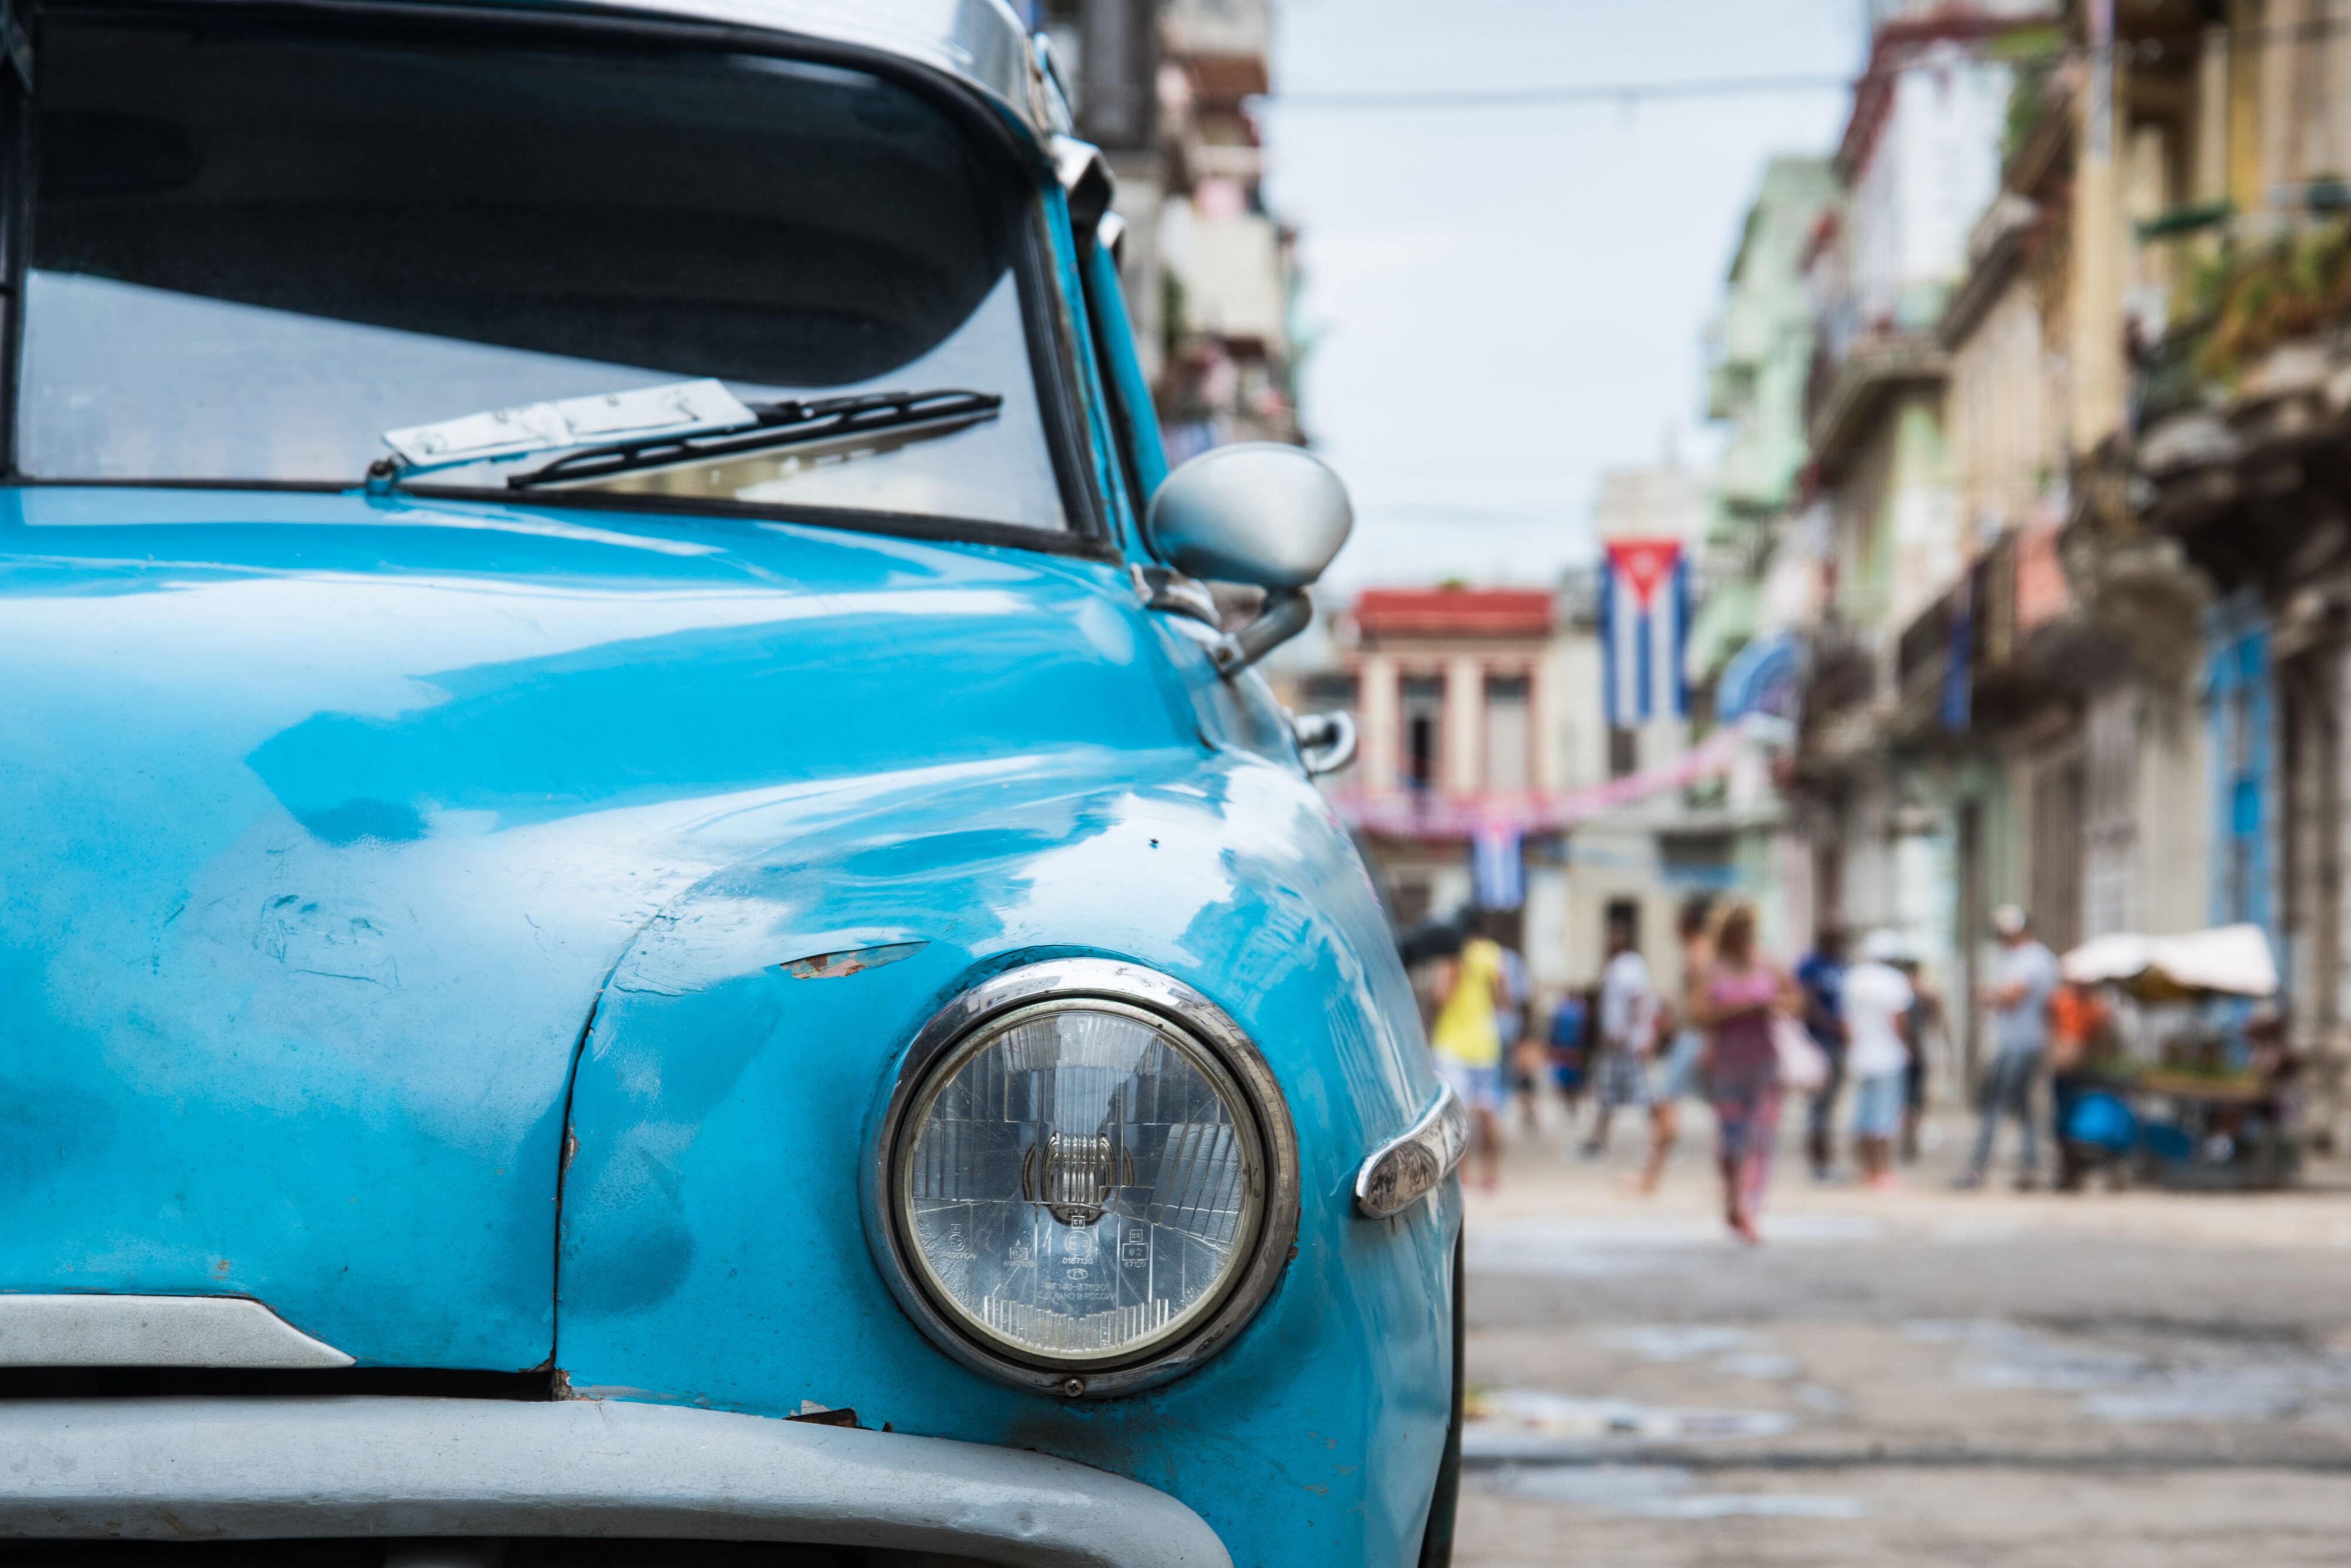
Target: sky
[(1501, 303)]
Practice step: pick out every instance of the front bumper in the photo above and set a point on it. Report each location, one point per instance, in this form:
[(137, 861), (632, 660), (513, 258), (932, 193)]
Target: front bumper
[(176, 1469)]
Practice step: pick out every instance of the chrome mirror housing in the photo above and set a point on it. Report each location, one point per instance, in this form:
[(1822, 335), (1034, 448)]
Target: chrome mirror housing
[(1259, 512)]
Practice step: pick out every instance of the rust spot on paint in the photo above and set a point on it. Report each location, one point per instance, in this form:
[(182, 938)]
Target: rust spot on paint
[(823, 1417), (833, 965)]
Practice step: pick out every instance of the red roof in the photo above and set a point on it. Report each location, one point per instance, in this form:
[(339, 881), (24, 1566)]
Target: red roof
[(1897, 46), (1454, 612)]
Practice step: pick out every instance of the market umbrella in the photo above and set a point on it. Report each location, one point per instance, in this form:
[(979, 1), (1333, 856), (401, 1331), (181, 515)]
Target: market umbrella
[(2232, 960)]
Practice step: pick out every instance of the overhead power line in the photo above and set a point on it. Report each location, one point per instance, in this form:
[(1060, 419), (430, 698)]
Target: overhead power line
[(1620, 92), (1627, 93)]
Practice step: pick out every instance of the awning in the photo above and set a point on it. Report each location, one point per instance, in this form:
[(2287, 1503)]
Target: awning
[(2234, 960), (1762, 678), (1725, 620)]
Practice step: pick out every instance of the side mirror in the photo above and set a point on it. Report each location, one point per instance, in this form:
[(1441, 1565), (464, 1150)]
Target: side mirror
[(1262, 513)]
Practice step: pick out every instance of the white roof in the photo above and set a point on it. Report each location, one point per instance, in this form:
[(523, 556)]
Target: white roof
[(2234, 959), (981, 43)]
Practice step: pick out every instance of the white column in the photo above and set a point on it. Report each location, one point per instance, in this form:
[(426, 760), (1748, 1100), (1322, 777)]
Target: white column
[(1375, 705), (1465, 725), (2212, 115), (2094, 374), (1543, 726)]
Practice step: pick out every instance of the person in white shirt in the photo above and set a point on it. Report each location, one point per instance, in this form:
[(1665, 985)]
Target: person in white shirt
[(1877, 997), (2026, 979), (1628, 1027)]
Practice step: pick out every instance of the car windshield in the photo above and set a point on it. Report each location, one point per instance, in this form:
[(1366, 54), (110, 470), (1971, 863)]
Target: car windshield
[(257, 254)]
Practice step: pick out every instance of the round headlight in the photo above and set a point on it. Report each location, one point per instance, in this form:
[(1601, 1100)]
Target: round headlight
[(1082, 1186)]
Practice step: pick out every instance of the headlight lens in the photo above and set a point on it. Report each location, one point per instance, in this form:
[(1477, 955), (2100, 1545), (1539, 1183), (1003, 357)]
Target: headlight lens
[(1080, 1183)]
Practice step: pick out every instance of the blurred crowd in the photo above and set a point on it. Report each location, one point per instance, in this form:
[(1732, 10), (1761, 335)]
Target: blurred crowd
[(1845, 1030)]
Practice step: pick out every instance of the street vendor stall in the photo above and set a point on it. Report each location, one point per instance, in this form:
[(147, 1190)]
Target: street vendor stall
[(2228, 960), (2211, 1105)]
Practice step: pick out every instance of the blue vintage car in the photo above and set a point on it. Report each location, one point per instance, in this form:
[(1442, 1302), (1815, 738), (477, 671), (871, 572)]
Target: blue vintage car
[(642, 908)]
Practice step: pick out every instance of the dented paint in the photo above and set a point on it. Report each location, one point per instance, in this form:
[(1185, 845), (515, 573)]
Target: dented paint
[(346, 816), (852, 961)]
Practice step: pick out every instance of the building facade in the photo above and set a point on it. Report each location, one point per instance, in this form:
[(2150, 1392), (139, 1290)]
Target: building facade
[(1489, 778), (2080, 385), (1164, 88)]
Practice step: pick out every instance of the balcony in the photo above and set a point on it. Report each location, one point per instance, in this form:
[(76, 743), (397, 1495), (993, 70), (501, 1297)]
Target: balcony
[(1237, 162), (1234, 284), (1853, 395), (1224, 44), (2003, 643), (2243, 413), (1843, 718), (1933, 658)]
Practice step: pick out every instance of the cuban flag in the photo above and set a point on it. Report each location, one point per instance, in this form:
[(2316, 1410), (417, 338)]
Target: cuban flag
[(1643, 631), (1497, 873)]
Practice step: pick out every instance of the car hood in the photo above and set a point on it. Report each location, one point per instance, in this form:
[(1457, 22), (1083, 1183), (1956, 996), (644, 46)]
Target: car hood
[(330, 818)]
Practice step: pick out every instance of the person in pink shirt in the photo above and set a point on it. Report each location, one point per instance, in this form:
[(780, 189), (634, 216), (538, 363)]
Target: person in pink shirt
[(1735, 1000)]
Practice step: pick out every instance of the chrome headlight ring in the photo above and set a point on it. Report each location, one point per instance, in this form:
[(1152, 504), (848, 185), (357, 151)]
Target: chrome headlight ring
[(1187, 1023)]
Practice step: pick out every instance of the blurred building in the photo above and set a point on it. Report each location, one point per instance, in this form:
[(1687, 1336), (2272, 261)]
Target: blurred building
[(1764, 549), (1462, 708), (1164, 88), (1488, 775), (2073, 495), (1759, 357), (1919, 159)]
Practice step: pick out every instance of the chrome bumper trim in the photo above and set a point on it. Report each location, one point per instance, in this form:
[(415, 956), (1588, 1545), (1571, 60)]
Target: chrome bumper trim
[(97, 1330), (1407, 1168), (179, 1469)]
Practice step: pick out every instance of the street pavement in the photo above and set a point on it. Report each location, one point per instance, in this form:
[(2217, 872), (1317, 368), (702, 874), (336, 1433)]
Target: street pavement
[(1922, 1376)]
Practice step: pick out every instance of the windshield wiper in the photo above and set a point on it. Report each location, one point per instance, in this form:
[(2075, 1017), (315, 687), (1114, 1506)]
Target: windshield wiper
[(792, 422), (658, 427)]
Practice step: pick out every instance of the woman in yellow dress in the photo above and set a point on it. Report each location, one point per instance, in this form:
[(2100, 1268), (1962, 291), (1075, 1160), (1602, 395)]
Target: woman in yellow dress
[(1468, 1045)]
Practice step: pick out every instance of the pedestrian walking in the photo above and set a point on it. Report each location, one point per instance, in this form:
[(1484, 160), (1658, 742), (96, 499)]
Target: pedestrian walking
[(1471, 990), (1737, 999), (1877, 1004), (1674, 1072), (1820, 976), (1628, 1023), (2019, 997), (1926, 1013)]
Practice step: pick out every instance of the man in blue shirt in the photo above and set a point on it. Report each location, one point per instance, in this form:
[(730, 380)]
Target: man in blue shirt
[(1570, 1047), (2023, 982), (1821, 977)]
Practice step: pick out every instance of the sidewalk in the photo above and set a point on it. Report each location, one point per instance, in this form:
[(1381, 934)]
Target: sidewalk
[(1543, 1176), (1922, 1375)]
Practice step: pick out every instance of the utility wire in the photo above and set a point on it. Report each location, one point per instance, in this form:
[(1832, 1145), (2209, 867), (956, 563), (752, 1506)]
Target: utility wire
[(1632, 92), (1625, 92)]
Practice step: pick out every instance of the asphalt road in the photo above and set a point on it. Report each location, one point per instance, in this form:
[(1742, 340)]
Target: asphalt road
[(1922, 1376)]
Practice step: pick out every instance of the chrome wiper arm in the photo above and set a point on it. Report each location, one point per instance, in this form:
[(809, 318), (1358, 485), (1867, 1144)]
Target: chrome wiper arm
[(794, 422), (653, 427), (681, 408)]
